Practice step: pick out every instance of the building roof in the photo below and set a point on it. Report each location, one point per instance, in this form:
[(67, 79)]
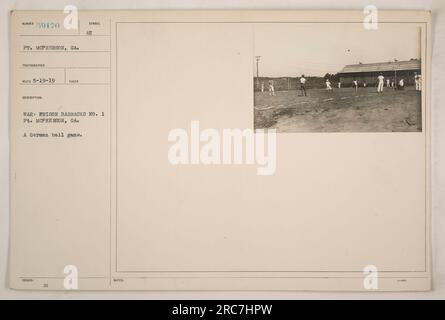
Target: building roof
[(383, 66)]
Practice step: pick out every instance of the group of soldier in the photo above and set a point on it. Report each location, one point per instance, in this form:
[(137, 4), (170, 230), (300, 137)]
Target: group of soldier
[(390, 83)]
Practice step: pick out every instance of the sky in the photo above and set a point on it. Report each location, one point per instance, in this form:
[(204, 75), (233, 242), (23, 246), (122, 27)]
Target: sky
[(291, 50)]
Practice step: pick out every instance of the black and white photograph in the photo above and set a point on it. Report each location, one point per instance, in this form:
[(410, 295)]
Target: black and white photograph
[(338, 77)]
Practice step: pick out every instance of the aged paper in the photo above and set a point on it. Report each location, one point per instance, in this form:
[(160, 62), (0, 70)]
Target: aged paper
[(220, 150)]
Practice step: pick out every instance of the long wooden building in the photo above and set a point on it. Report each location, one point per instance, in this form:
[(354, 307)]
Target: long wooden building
[(391, 70)]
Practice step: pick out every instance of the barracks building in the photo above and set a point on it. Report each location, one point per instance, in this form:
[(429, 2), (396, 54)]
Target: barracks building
[(391, 70)]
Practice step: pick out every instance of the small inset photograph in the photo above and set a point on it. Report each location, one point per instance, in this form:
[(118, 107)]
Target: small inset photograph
[(338, 78)]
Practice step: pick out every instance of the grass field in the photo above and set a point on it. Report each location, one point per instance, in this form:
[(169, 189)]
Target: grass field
[(342, 110)]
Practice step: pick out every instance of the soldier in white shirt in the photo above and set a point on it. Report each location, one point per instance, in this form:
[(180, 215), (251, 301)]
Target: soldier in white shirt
[(303, 85), (271, 88), (328, 85), (381, 79), (355, 85), (418, 81)]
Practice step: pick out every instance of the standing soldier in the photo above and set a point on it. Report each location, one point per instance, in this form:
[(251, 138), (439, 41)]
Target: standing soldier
[(271, 88), (417, 80), (303, 85), (355, 85), (328, 85), (381, 83), (401, 85)]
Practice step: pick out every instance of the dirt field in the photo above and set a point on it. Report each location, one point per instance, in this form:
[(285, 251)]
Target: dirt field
[(343, 110)]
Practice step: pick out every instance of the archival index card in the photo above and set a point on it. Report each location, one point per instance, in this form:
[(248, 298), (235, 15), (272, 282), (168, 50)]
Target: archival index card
[(220, 150)]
